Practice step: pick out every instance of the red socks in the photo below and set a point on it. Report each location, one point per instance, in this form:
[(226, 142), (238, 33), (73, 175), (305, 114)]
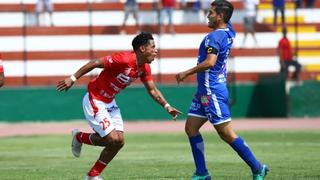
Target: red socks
[(84, 138), (97, 168)]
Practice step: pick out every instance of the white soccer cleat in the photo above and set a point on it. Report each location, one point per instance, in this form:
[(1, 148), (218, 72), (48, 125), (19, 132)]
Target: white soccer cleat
[(76, 145), (93, 178)]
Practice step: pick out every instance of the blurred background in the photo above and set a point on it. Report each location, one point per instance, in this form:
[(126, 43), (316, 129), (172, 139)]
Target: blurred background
[(44, 42)]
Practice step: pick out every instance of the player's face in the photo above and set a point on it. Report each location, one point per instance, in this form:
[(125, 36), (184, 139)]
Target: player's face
[(150, 52), (213, 18)]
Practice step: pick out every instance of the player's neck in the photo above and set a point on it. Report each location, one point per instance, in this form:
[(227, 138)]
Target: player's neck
[(222, 26), (139, 61)]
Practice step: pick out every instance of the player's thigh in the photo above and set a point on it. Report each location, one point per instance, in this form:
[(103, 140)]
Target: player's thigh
[(107, 140)]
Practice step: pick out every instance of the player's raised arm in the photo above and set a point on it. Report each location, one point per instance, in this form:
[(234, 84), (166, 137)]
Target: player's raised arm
[(158, 97), (65, 84)]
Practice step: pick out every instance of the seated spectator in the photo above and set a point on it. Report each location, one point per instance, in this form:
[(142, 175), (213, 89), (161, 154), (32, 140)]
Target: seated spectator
[(286, 57), (130, 7), (41, 7)]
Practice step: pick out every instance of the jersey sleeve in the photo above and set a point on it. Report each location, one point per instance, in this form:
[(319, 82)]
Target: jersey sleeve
[(146, 75), (214, 41)]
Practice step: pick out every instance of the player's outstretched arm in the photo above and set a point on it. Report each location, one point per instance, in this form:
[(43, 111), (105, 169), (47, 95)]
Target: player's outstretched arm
[(204, 65), (67, 83), (158, 97)]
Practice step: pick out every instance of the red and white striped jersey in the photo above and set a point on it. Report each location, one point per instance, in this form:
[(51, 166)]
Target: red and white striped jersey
[(120, 70)]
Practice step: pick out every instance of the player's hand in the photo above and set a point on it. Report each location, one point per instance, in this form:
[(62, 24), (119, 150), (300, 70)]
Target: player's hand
[(64, 85), (180, 77), (174, 112)]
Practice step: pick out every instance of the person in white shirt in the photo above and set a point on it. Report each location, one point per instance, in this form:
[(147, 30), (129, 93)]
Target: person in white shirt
[(250, 10), (43, 6)]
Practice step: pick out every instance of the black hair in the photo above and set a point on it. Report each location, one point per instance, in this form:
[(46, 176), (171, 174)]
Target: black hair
[(223, 7), (141, 40)]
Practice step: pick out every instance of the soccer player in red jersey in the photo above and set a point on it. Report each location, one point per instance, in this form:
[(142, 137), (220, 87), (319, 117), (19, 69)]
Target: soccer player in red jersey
[(1, 72), (100, 108)]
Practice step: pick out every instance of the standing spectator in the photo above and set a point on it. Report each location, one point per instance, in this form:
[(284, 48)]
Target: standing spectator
[(166, 8), (278, 5), (130, 7), (251, 9), (41, 7), (205, 7), (1, 72), (286, 57)]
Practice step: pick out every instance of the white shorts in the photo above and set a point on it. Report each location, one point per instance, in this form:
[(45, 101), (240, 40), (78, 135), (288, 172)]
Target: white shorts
[(102, 117)]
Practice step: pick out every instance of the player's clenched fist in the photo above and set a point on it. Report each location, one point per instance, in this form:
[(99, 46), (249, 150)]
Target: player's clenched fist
[(180, 77)]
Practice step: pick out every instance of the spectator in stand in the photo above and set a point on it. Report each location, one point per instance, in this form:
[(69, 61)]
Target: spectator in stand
[(41, 7), (1, 73), (251, 9), (130, 7), (278, 5), (166, 8), (308, 3), (286, 57)]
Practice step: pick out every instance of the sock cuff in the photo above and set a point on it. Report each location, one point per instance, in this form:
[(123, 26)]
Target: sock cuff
[(101, 162), (237, 141)]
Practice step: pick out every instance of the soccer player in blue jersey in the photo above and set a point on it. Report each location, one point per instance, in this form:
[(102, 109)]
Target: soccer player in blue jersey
[(211, 99)]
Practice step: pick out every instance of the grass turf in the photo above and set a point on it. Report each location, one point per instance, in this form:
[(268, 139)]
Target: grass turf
[(291, 155)]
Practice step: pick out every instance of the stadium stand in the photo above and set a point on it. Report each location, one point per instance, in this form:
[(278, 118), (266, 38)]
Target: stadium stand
[(83, 30)]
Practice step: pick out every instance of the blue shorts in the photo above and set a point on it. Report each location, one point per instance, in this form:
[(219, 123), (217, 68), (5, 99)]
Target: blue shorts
[(214, 107)]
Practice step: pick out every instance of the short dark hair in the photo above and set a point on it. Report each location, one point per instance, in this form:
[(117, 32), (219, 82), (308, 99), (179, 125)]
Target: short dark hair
[(223, 7), (141, 40)]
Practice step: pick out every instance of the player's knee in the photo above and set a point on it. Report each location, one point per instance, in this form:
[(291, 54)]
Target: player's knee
[(119, 143), (226, 136), (190, 131), (115, 142)]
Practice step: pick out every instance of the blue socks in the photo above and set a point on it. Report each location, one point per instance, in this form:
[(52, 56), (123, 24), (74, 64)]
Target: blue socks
[(197, 147), (244, 152)]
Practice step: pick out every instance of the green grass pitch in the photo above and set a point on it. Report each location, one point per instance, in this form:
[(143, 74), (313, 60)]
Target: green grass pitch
[(291, 155)]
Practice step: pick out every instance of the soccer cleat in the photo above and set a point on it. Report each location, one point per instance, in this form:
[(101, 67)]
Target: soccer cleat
[(263, 172), (93, 178), (203, 177), (76, 145)]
